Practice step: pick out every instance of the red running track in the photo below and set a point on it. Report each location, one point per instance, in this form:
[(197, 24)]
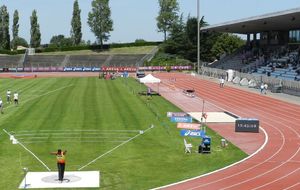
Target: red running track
[(277, 165)]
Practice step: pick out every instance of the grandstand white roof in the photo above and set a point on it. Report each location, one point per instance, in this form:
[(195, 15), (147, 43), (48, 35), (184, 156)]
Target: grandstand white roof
[(276, 21)]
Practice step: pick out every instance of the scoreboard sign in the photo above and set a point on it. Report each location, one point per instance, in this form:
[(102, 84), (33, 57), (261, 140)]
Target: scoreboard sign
[(247, 125)]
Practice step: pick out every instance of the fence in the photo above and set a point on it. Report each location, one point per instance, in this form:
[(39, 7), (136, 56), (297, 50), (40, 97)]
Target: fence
[(288, 86)]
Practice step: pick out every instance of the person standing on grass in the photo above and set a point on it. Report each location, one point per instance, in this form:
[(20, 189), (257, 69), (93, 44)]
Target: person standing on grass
[(8, 94), (61, 163), (16, 98)]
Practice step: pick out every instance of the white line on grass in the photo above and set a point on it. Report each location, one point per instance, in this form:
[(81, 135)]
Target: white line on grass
[(38, 96), (30, 152), (91, 130), (39, 142), (115, 148)]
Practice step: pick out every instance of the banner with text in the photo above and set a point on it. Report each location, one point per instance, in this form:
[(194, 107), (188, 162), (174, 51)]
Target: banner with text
[(192, 133), (182, 119), (188, 126), (177, 114)]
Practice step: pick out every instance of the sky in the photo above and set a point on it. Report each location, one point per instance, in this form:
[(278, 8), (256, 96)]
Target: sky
[(133, 19)]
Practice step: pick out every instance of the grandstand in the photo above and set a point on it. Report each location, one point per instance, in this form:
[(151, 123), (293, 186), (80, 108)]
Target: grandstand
[(10, 61), (125, 60), (86, 60), (272, 46), (43, 60)]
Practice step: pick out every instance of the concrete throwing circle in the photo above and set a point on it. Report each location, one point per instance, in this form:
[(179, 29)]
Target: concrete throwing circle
[(67, 179)]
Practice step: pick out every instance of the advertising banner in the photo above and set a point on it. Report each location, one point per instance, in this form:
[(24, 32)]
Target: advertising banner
[(192, 133), (182, 119), (188, 126), (177, 114), (163, 68), (119, 69), (95, 69), (247, 125), (87, 69)]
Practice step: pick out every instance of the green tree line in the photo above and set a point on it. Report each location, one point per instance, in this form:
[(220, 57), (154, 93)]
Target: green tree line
[(180, 36)]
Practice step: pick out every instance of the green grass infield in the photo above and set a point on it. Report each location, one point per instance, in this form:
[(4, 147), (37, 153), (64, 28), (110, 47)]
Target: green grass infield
[(101, 120)]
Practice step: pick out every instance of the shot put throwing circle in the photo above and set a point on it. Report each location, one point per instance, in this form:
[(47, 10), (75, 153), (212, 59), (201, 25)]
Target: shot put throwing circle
[(68, 179)]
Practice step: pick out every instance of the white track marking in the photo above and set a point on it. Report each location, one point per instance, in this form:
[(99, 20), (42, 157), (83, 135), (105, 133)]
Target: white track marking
[(278, 178), (292, 186), (114, 148), (30, 152), (226, 167), (228, 187), (251, 167)]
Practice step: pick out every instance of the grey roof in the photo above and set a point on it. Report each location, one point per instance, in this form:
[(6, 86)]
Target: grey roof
[(277, 21)]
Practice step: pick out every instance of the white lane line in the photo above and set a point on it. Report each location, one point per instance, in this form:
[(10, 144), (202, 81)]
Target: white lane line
[(278, 178), (290, 187), (115, 148), (30, 152), (262, 174), (226, 167)]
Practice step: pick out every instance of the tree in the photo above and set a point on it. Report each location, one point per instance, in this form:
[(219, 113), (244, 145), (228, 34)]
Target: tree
[(18, 41), (99, 20), (168, 14), (60, 41), (226, 43), (177, 40), (4, 28), (15, 29), (35, 40), (191, 30), (76, 33)]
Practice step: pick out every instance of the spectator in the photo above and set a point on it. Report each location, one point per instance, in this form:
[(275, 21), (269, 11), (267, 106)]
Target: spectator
[(265, 88), (262, 87), (222, 81)]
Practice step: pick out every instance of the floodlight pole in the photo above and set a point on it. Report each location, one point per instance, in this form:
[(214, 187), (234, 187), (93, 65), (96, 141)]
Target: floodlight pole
[(198, 38)]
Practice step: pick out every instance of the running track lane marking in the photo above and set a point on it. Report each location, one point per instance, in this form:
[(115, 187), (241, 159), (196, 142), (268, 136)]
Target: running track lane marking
[(277, 179), (292, 186), (262, 147), (283, 138), (115, 148), (30, 152), (266, 173)]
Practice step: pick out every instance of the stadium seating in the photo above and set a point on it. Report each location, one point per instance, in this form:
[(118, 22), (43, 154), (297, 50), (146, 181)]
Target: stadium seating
[(86, 60), (125, 60), (10, 61), (44, 60)]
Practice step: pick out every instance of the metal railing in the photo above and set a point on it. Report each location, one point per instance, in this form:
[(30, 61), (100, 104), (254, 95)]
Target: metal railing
[(288, 86)]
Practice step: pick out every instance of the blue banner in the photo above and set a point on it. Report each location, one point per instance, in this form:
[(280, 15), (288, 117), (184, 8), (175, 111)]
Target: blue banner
[(192, 133), (187, 119)]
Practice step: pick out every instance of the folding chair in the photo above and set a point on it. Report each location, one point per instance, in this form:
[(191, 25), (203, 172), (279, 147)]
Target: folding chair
[(188, 147)]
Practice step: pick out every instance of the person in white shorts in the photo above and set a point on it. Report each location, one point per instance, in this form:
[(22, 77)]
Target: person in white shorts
[(1, 105), (8, 94), (16, 98)]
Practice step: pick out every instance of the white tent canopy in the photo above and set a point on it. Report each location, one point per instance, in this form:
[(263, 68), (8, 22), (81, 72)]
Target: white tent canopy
[(149, 79)]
